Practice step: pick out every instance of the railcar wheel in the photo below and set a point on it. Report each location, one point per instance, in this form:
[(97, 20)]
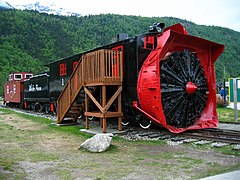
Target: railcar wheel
[(128, 114), (184, 88), (38, 107), (90, 118), (125, 121), (90, 109), (144, 122), (47, 108)]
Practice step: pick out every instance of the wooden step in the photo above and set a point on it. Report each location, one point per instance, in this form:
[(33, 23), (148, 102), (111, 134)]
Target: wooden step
[(67, 121), (73, 111), (76, 108)]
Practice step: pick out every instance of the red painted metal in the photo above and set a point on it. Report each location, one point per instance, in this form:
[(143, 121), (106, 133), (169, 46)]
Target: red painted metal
[(52, 109), (191, 88), (13, 89), (176, 38), (135, 105), (25, 105), (115, 66)]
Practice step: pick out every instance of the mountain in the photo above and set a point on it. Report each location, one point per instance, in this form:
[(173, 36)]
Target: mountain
[(29, 39), (5, 5), (42, 7), (47, 7)]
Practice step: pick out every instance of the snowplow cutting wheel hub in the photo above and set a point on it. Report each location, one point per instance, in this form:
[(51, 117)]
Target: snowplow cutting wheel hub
[(176, 84)]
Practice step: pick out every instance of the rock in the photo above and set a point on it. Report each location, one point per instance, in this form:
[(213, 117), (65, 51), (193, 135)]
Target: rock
[(189, 140), (219, 144), (98, 143), (237, 147), (201, 142)]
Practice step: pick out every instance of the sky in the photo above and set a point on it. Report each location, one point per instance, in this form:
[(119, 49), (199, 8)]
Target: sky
[(224, 13)]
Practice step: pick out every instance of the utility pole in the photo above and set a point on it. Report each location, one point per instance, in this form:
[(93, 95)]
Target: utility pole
[(235, 99)]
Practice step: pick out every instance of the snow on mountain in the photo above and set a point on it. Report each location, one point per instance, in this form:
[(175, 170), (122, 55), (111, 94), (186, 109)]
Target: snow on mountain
[(45, 7), (5, 5)]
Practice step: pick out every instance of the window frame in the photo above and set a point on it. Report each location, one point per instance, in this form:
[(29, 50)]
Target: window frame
[(16, 78), (30, 75), (149, 42), (74, 65), (63, 69)]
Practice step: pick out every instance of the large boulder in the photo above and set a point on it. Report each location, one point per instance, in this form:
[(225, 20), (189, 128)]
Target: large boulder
[(98, 143)]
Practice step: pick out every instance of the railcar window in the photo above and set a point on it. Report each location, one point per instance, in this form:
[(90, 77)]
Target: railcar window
[(7, 89), (17, 76), (74, 65), (63, 69), (28, 76), (149, 42), (10, 77)]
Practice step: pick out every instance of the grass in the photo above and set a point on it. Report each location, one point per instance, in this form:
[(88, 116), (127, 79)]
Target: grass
[(64, 174), (227, 115), (41, 120), (7, 163), (228, 150), (6, 111), (42, 156), (123, 158)]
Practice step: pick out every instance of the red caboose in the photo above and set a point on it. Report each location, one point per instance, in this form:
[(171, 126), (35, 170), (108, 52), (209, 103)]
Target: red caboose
[(13, 89)]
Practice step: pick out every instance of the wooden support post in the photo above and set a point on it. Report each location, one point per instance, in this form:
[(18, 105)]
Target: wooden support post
[(104, 123), (86, 110), (120, 110), (101, 122), (101, 119)]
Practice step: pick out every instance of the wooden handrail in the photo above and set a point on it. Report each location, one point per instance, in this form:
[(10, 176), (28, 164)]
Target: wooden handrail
[(103, 66), (69, 92)]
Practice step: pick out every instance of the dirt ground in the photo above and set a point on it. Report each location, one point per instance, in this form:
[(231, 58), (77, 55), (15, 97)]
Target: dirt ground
[(32, 150)]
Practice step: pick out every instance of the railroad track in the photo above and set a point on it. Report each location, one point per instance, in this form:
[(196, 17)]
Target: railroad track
[(219, 136), (215, 135)]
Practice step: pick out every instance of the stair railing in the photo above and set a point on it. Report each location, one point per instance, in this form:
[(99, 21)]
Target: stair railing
[(70, 91)]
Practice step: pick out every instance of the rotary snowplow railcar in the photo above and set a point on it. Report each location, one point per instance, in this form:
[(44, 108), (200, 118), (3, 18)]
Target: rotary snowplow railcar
[(168, 78)]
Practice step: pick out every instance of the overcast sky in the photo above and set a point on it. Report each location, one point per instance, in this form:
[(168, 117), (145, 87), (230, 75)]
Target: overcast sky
[(225, 13)]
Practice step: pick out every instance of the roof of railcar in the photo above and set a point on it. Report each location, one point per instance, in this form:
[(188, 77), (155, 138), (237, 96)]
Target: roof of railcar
[(91, 50)]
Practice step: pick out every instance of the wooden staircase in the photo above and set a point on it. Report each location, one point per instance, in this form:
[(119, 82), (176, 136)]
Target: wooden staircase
[(98, 69), (68, 106)]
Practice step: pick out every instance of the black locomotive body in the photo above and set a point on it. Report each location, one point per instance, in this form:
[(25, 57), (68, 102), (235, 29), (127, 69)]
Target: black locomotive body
[(59, 72), (36, 93)]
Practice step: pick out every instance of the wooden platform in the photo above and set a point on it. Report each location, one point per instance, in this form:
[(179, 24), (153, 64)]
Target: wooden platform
[(99, 69)]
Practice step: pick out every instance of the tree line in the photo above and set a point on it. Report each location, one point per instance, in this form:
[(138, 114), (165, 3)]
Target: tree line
[(29, 40)]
